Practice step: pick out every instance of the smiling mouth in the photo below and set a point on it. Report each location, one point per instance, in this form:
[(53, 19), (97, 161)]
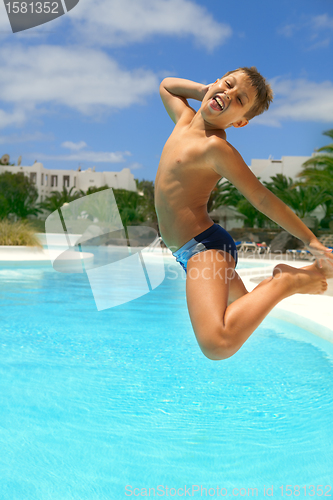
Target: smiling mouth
[(219, 104)]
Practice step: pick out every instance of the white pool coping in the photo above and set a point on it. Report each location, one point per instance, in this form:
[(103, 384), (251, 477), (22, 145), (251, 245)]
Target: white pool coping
[(313, 313)]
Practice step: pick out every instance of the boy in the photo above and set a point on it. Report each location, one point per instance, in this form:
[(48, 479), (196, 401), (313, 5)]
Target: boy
[(195, 157)]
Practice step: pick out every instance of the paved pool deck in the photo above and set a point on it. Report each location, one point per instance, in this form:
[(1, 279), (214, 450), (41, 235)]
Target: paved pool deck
[(311, 312)]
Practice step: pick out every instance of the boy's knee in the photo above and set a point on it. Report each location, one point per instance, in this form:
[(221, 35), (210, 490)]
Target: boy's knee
[(216, 356), (219, 350)]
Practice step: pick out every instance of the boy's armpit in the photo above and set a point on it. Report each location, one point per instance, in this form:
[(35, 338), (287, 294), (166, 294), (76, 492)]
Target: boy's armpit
[(230, 165)]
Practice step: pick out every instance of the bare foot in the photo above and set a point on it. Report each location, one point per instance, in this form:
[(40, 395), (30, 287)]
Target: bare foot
[(309, 279), (325, 265)]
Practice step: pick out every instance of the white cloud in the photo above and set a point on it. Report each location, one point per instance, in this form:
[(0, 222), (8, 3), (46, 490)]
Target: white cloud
[(85, 80), (299, 100), (15, 118), (323, 21), (313, 32), (74, 146), (288, 30), (5, 28), (25, 137), (88, 156), (134, 166), (121, 22)]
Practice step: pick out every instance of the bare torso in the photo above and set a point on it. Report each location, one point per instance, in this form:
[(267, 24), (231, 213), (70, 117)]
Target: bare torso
[(184, 181)]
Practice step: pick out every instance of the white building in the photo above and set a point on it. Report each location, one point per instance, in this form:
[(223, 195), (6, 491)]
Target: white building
[(289, 166), (47, 180)]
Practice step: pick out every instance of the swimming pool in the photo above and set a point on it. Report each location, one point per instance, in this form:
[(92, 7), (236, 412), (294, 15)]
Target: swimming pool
[(96, 404)]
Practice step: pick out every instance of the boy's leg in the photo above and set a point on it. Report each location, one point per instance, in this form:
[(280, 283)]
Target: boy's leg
[(221, 329), (236, 288)]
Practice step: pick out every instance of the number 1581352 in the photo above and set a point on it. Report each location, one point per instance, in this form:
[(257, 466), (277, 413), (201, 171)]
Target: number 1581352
[(32, 8)]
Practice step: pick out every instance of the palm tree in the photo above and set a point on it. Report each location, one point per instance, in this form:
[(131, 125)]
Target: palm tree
[(128, 203), (225, 194), (93, 189), (299, 196), (58, 199), (318, 171), (281, 186), (134, 207), (305, 199), (147, 203)]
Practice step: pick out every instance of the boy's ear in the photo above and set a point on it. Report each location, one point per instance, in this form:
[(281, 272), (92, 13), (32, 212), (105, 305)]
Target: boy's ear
[(241, 123)]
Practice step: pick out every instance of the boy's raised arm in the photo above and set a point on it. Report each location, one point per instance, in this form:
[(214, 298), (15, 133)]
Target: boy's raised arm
[(175, 92), (238, 173)]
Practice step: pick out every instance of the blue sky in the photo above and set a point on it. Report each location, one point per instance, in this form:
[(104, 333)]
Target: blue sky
[(83, 89)]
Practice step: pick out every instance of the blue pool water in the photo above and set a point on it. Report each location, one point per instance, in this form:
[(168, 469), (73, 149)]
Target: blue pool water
[(95, 404)]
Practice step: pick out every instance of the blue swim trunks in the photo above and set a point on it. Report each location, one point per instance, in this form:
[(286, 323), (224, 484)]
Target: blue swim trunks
[(213, 238)]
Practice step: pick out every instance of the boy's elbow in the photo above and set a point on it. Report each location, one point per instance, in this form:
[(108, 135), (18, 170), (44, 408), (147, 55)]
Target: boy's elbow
[(165, 93), (162, 84), (165, 83), (162, 87)]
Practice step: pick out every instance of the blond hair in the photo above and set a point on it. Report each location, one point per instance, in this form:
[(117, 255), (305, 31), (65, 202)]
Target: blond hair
[(264, 92)]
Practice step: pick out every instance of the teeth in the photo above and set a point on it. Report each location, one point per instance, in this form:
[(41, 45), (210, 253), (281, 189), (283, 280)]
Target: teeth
[(219, 102)]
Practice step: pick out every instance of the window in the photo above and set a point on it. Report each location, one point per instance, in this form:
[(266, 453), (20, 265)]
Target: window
[(66, 181), (46, 179), (42, 179), (33, 177), (74, 181), (54, 181)]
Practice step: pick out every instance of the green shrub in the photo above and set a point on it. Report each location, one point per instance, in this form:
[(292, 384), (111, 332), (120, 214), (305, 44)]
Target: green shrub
[(38, 225), (18, 233)]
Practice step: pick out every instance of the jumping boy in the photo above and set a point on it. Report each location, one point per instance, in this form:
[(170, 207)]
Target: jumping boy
[(195, 157)]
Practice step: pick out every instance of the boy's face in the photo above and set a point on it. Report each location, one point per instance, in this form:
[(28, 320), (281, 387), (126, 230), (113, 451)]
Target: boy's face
[(227, 101)]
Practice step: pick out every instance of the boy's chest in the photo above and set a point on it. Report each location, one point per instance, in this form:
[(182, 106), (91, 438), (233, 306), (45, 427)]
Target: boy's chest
[(189, 166), (188, 153)]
